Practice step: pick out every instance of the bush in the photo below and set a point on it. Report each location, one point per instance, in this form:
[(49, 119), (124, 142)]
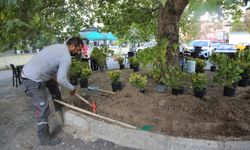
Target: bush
[(114, 75), (85, 73), (100, 54), (228, 71), (176, 78), (199, 81), (200, 64), (120, 60), (156, 75), (138, 81), (134, 61)]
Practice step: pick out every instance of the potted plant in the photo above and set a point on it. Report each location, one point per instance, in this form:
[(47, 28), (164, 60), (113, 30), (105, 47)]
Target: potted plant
[(213, 60), (199, 82), (244, 61), (120, 62), (75, 71), (100, 55), (138, 81), (158, 78), (114, 77), (227, 74), (73, 76), (176, 79), (135, 63), (85, 73), (200, 64)]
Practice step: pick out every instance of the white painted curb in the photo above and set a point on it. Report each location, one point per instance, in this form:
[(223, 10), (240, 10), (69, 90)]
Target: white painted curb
[(142, 139)]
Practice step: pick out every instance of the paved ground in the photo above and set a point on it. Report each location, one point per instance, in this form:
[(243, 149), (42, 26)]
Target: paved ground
[(17, 125)]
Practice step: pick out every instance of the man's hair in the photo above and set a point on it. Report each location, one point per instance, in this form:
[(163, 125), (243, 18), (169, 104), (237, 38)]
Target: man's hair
[(75, 41)]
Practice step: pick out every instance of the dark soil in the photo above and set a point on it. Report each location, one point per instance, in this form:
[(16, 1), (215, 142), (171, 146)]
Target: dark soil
[(214, 117)]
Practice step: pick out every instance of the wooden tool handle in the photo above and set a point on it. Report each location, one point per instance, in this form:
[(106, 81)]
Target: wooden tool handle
[(106, 91), (83, 99), (95, 115)]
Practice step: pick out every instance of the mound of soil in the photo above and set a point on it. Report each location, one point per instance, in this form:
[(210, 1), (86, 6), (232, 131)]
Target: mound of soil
[(214, 117)]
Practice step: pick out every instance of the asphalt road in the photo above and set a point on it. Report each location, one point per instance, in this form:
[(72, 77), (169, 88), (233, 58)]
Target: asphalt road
[(18, 129)]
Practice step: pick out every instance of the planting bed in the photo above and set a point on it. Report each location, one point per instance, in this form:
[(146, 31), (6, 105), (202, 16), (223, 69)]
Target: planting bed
[(215, 117)]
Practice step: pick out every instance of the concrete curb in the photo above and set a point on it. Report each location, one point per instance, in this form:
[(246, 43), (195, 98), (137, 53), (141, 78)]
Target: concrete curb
[(142, 139)]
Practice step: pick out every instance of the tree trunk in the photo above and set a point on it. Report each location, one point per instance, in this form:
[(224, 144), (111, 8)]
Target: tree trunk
[(168, 27)]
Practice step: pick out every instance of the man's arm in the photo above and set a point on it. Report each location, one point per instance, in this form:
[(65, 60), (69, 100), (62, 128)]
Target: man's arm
[(62, 75)]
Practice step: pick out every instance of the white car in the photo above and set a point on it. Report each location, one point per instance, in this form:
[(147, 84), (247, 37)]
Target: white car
[(205, 45), (146, 45)]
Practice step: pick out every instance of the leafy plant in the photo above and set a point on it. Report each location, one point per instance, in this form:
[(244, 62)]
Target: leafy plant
[(200, 64), (199, 81), (75, 68), (228, 71), (138, 81), (101, 54), (134, 61), (214, 58), (176, 78), (114, 75), (120, 60), (156, 75), (85, 73), (244, 61)]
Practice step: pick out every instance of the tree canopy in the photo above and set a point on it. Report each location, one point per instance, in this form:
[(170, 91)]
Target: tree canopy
[(39, 22)]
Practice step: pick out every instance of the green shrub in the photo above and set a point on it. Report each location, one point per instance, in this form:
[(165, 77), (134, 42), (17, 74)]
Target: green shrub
[(134, 61), (156, 75), (200, 64), (199, 81), (114, 76), (85, 73), (228, 71), (120, 60), (138, 81), (101, 54), (176, 78)]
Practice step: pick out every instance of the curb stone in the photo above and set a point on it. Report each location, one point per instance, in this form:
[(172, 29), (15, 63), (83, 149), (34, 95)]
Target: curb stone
[(142, 139)]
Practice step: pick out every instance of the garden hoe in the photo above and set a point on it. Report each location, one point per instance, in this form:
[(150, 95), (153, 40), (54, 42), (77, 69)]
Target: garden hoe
[(95, 88), (93, 105)]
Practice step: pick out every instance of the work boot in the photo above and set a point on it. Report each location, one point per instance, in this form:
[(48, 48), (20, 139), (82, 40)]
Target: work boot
[(44, 136)]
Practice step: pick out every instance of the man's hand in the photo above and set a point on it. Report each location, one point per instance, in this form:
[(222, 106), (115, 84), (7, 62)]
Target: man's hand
[(72, 93)]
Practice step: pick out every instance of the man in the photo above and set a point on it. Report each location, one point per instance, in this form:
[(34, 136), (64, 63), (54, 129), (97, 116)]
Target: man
[(50, 63)]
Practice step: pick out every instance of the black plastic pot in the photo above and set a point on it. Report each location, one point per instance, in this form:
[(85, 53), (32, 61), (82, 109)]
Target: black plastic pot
[(83, 83), (243, 82), (199, 70), (213, 68), (131, 66), (74, 81), (116, 86), (177, 91), (229, 91), (200, 93), (136, 68), (131, 54), (142, 91), (122, 66)]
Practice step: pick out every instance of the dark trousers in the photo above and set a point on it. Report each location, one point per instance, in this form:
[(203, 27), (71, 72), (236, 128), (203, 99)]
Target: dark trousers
[(37, 92)]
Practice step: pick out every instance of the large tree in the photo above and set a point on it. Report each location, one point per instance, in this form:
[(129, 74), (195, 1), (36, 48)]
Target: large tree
[(162, 17)]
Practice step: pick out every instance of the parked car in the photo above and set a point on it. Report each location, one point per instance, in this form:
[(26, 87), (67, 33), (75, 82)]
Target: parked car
[(225, 48), (146, 45), (205, 47)]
